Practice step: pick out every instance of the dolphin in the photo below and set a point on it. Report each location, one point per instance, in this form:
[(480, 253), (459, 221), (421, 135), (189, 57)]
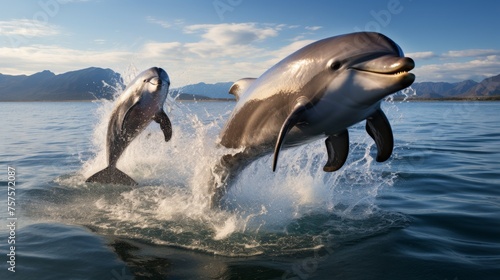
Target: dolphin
[(316, 92), (140, 103)]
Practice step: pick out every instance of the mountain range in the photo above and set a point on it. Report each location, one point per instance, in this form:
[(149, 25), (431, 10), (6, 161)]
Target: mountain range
[(203, 91), (97, 83), (86, 84), (488, 88)]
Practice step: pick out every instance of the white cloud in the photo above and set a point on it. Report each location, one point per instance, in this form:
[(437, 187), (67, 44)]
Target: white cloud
[(36, 58), (454, 54), (471, 53), (456, 65), (206, 49), (27, 28), (219, 52), (421, 55), (222, 52), (297, 38), (313, 28), (100, 41), (161, 49), (475, 69), (233, 34), (159, 22), (230, 41)]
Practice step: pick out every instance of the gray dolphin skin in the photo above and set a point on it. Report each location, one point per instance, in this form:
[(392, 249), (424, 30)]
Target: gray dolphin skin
[(316, 92), (140, 103)]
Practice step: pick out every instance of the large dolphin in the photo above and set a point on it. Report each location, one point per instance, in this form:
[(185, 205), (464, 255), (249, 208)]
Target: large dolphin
[(316, 92), (140, 103)]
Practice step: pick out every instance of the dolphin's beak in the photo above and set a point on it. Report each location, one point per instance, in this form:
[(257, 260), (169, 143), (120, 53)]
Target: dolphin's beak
[(390, 68), (162, 76), (380, 75), (387, 64), (159, 77)]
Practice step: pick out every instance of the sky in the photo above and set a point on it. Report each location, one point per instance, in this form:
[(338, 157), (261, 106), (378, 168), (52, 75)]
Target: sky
[(225, 40)]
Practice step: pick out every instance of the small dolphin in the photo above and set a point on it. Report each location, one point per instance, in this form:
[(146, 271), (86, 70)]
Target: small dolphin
[(318, 91), (140, 103)]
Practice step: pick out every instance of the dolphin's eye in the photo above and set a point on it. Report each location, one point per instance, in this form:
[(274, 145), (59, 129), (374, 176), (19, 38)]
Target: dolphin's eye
[(335, 65), (154, 81)]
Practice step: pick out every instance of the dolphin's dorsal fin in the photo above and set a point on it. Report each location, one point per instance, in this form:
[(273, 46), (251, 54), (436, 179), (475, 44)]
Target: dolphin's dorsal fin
[(379, 128), (240, 86), (293, 118), (337, 147)]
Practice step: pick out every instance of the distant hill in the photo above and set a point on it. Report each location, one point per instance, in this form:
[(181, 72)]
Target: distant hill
[(487, 89), (441, 89), (203, 91), (85, 84), (97, 83), (91, 84)]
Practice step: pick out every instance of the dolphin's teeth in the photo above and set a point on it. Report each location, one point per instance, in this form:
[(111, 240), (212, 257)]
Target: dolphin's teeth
[(400, 72)]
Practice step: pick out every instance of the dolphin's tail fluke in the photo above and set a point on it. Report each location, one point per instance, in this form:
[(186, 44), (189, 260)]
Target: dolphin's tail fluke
[(111, 175)]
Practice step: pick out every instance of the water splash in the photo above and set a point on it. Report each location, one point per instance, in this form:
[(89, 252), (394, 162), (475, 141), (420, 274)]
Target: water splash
[(290, 210), (407, 93)]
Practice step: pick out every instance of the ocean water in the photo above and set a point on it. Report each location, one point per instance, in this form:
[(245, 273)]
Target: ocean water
[(430, 212)]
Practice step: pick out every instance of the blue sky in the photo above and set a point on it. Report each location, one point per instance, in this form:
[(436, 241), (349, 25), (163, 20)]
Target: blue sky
[(224, 40)]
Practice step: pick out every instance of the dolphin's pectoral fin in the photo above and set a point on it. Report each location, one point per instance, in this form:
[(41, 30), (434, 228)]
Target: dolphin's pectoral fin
[(379, 129), (337, 146), (165, 124), (239, 87), (293, 118)]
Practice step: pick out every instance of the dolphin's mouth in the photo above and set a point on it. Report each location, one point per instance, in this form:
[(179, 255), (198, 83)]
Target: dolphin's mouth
[(161, 77), (386, 65), (382, 76)]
